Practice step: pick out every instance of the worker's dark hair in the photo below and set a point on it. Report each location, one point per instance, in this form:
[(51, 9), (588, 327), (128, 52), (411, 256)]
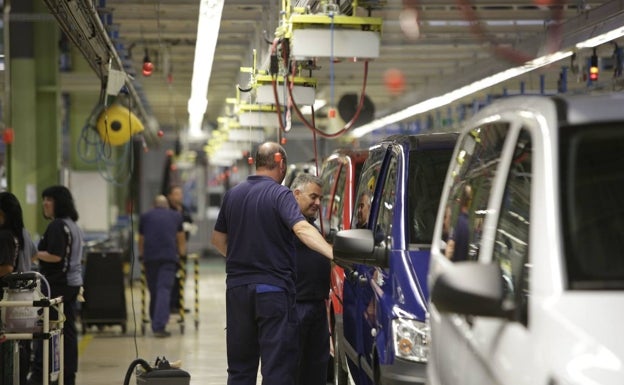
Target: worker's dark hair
[(63, 202), (8, 247), (13, 216), (265, 155)]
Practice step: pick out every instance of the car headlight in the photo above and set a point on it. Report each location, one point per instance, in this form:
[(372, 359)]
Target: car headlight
[(411, 339)]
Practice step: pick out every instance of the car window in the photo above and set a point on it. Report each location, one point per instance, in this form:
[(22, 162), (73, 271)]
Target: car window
[(426, 179), (330, 172), (592, 187), (366, 188), (338, 202), (476, 165), (386, 206), (512, 232)]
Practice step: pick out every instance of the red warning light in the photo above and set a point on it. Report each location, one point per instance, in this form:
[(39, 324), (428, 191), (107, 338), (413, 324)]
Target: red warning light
[(593, 67), (148, 68), (8, 135)]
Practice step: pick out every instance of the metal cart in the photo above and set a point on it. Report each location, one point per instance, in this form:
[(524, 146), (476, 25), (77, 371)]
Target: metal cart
[(17, 329)]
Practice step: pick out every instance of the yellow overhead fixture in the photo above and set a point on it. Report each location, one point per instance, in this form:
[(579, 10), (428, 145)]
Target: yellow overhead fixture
[(331, 34), (337, 36), (116, 124)]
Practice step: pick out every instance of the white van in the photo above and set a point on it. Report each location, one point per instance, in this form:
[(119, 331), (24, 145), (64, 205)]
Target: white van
[(527, 281)]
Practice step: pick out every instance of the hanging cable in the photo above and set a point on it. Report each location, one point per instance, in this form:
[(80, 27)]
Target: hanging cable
[(274, 76), (347, 125), (312, 127), (332, 106), (94, 147)]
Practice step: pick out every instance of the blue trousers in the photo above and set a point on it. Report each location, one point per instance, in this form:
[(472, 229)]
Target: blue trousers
[(313, 343), (261, 326), (160, 276)]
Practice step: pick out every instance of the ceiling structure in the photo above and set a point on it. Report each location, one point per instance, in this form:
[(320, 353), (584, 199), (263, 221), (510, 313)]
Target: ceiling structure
[(456, 42)]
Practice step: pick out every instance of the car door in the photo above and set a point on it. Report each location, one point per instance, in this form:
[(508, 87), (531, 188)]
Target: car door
[(495, 161), (499, 342), (378, 282), (475, 166), (357, 292)]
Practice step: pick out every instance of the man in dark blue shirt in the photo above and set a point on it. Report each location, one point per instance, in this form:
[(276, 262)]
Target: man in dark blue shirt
[(161, 242), (313, 271), (255, 231)]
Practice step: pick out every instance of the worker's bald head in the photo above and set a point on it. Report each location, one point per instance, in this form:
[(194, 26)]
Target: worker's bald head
[(266, 158), (161, 201)]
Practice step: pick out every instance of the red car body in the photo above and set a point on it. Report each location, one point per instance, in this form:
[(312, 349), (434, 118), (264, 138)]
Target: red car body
[(340, 173)]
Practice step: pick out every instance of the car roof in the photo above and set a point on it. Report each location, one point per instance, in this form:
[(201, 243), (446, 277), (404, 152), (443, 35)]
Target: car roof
[(579, 109), (571, 109), (423, 140), (350, 151)]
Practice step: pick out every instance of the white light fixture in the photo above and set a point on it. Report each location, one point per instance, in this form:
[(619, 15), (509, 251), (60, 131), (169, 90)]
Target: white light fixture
[(301, 95), (246, 135), (335, 36), (258, 119), (308, 43), (449, 97), (439, 101), (600, 39), (207, 35)]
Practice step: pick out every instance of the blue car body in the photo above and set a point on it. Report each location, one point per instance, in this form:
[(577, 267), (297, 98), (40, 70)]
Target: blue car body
[(385, 336)]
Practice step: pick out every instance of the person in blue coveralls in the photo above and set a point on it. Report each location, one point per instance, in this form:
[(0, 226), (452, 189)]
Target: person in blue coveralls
[(161, 242), (313, 272), (255, 230)]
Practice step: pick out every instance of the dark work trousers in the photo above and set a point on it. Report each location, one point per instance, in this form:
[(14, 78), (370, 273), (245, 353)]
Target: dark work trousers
[(261, 326), (313, 343), (160, 276), (70, 336)]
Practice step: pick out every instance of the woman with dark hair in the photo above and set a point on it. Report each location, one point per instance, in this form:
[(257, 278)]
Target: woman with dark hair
[(12, 222), (11, 218), (60, 255), (8, 255)]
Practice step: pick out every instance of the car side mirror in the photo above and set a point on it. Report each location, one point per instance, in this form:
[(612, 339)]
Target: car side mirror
[(470, 288), (358, 246)]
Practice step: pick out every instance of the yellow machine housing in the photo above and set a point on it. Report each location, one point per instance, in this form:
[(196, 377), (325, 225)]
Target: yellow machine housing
[(116, 125)]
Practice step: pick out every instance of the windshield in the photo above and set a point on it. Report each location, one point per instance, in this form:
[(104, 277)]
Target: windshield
[(592, 194)]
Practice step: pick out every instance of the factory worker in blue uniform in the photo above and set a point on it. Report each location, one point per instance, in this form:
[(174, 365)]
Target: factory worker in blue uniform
[(313, 271), (255, 230)]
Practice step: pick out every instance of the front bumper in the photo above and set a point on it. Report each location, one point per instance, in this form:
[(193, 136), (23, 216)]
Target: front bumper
[(403, 372)]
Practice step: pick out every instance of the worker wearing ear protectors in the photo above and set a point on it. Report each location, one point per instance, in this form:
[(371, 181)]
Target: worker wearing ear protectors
[(255, 230)]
